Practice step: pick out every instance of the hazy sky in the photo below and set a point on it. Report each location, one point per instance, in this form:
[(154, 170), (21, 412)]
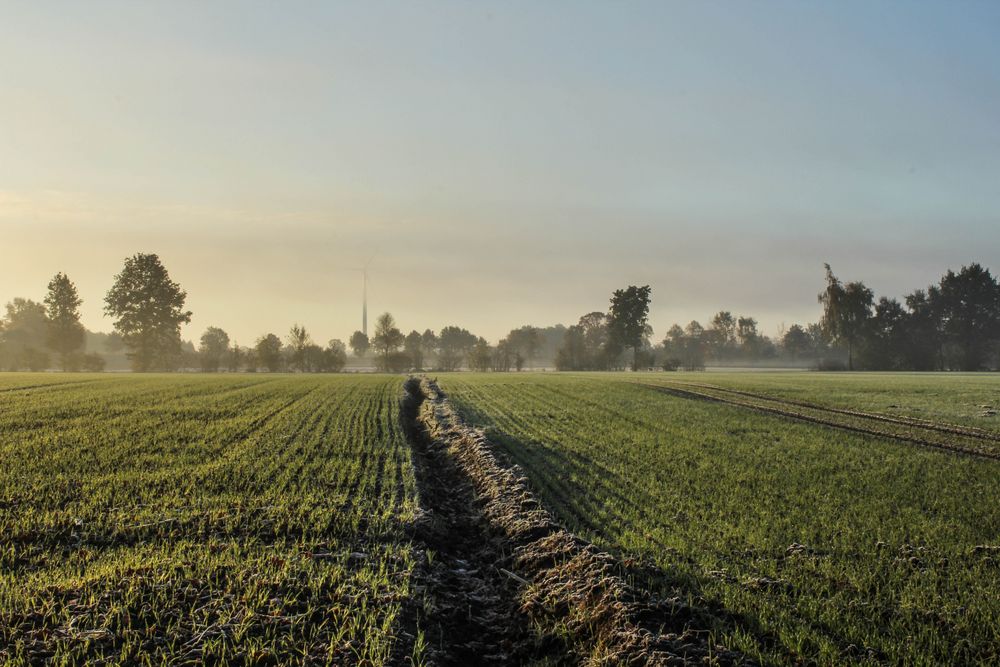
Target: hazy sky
[(504, 162)]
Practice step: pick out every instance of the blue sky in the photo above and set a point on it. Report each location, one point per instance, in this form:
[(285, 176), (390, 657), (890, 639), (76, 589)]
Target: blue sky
[(505, 162)]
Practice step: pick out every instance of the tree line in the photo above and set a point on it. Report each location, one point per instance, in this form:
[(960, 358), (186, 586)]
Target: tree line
[(951, 325)]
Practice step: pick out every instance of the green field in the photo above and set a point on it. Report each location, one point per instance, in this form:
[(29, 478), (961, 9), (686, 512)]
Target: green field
[(961, 398), (819, 544), (270, 519), (201, 518)]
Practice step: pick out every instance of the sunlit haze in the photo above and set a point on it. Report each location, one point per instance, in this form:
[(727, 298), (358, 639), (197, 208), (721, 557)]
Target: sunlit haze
[(503, 163)]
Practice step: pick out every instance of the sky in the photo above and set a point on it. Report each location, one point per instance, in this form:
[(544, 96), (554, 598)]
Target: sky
[(500, 163)]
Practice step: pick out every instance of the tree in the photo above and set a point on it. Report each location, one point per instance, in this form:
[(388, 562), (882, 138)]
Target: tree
[(25, 329), (454, 344), (149, 311), (92, 362), (65, 333), (429, 343), (334, 357), (721, 337), (298, 341), (269, 352), (846, 311), (748, 336), (481, 356), (236, 357), (359, 344), (387, 339), (573, 355), (414, 346), (525, 341), (797, 342), (628, 318), (925, 336), (969, 306), (214, 345)]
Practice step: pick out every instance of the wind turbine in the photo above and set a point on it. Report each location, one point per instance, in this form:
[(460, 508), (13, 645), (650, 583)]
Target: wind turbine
[(364, 296)]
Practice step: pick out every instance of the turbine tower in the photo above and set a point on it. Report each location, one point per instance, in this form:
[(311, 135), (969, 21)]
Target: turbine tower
[(364, 296)]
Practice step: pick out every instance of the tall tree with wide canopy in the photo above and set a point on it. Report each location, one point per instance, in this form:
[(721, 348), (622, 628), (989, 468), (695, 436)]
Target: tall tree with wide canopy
[(969, 305), (148, 308), (628, 318), (65, 333), (846, 312)]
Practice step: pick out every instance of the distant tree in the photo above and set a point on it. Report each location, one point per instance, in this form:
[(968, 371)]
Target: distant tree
[(114, 343), (149, 311), (454, 344), (429, 342), (214, 345), (92, 362), (846, 311), (573, 354), (236, 357), (628, 318), (797, 343), (298, 341), (525, 341), (269, 352), (503, 357), (387, 339), (925, 335), (747, 333), (65, 333), (414, 347), (334, 357), (969, 306), (481, 356), (884, 337), (720, 339), (693, 355), (359, 344), (25, 329)]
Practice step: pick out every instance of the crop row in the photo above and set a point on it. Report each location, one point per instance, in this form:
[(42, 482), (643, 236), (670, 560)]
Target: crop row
[(203, 519), (818, 545)]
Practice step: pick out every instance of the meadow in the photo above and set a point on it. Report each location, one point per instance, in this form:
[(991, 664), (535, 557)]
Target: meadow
[(276, 519)]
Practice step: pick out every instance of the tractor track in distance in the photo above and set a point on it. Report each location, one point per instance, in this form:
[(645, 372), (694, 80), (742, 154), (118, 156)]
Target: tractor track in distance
[(947, 437)]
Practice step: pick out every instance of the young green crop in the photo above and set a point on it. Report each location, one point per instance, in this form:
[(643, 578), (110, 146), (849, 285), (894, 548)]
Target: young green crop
[(814, 544), (202, 519)]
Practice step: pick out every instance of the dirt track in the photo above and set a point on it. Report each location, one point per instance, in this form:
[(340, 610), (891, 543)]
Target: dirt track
[(948, 437), (506, 584)]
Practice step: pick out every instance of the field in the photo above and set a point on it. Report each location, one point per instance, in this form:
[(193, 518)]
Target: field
[(816, 543), (790, 517), (236, 518)]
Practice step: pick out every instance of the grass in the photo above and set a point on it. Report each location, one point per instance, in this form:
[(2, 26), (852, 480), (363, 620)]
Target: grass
[(202, 518), (266, 519), (959, 398), (817, 545)]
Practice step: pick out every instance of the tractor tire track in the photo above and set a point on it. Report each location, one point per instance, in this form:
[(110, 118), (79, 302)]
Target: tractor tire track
[(916, 434)]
